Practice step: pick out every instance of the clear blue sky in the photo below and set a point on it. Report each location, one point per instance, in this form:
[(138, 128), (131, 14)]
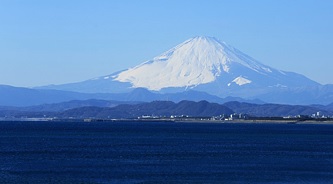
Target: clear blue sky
[(60, 41)]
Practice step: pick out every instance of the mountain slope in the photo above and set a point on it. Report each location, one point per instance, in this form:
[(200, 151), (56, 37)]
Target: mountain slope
[(208, 65), (203, 60), (17, 96)]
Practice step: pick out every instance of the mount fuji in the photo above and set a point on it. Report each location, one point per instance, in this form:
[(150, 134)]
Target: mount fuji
[(212, 66)]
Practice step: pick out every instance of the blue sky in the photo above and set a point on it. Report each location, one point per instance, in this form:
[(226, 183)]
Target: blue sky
[(61, 41)]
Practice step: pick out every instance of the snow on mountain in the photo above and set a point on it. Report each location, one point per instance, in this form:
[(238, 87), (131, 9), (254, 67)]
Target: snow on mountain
[(208, 65), (240, 81), (199, 60)]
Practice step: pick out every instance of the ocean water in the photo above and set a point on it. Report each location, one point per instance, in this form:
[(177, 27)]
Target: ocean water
[(155, 152)]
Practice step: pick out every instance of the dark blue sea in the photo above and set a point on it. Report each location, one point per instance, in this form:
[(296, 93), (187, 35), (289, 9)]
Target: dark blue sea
[(162, 152)]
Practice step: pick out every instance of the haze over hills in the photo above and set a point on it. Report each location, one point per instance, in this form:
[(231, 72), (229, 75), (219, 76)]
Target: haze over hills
[(208, 65), (24, 97)]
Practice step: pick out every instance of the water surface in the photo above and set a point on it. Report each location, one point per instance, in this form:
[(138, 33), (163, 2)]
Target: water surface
[(155, 152)]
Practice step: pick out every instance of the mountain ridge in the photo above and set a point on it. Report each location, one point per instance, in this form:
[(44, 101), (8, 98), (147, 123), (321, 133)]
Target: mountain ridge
[(212, 66), (112, 110)]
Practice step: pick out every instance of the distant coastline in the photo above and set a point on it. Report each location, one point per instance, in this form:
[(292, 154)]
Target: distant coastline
[(181, 120)]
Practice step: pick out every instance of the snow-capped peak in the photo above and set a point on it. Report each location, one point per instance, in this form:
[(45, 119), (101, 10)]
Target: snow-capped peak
[(199, 60)]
